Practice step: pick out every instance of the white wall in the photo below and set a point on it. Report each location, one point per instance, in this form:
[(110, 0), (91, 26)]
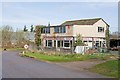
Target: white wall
[(89, 30), (100, 23)]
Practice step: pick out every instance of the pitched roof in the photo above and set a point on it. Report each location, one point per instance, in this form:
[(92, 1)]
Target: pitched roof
[(82, 22)]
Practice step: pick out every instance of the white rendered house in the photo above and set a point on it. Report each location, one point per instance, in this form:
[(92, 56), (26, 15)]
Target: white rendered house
[(64, 35)]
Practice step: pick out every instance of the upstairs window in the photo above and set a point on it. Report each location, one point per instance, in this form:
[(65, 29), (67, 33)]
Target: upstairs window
[(60, 29), (48, 30), (42, 30), (56, 29), (45, 30), (100, 29), (64, 29)]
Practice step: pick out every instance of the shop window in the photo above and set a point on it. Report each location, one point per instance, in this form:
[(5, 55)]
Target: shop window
[(85, 41), (58, 43), (46, 43), (62, 43), (54, 43), (89, 41), (49, 43), (97, 44), (66, 43)]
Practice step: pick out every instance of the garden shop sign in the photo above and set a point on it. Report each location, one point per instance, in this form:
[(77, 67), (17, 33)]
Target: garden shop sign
[(58, 38), (26, 46)]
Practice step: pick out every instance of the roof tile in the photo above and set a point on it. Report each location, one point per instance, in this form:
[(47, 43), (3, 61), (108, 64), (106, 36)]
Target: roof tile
[(82, 22)]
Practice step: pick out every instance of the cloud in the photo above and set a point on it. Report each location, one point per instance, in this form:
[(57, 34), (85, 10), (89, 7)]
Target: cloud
[(56, 13)]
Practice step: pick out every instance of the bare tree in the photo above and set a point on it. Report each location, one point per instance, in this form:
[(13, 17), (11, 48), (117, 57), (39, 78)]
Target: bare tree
[(38, 35), (25, 28), (32, 29), (107, 37), (6, 36), (19, 36)]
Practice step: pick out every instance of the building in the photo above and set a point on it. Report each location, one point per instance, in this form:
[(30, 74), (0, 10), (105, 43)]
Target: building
[(115, 39), (63, 36)]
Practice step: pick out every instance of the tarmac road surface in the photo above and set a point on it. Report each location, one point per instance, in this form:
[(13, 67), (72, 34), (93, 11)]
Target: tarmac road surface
[(15, 66)]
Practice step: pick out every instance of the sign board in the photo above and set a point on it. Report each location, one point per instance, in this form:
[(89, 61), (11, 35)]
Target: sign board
[(57, 38), (67, 38), (26, 46)]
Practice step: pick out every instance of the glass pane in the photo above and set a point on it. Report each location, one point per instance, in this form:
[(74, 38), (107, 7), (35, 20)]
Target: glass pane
[(100, 29), (62, 43), (56, 29), (66, 41), (61, 30), (54, 43), (97, 44), (58, 43), (66, 44), (43, 30), (46, 43), (64, 29), (85, 41), (90, 41), (50, 43), (47, 30)]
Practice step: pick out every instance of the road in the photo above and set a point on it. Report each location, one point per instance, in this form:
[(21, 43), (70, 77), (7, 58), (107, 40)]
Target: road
[(14, 66)]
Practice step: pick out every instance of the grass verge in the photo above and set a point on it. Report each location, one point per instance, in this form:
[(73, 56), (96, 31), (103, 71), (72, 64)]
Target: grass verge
[(66, 57), (109, 68)]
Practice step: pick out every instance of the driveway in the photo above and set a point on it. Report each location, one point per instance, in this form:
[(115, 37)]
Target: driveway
[(14, 66)]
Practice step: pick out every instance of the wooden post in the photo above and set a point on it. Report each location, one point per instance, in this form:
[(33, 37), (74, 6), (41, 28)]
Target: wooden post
[(92, 43), (72, 47)]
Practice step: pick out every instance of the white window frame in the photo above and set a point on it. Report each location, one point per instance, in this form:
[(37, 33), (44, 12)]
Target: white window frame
[(101, 28), (47, 43), (66, 42), (98, 43)]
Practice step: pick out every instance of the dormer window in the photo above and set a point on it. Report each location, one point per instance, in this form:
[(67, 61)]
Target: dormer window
[(61, 29), (56, 30), (45, 30), (100, 29)]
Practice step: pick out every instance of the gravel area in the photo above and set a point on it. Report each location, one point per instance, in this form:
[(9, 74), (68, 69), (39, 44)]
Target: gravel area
[(80, 65)]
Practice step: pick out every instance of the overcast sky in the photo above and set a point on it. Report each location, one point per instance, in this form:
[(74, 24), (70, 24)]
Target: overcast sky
[(18, 14)]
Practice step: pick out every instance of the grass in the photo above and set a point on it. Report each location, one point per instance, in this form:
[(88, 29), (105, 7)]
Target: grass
[(66, 57), (109, 68)]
